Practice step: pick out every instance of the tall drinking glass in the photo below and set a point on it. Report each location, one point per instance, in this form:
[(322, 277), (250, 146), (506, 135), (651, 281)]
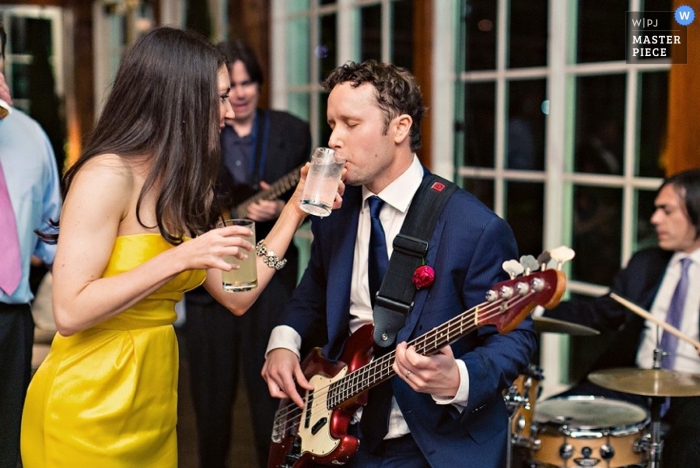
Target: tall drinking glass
[(245, 277), (321, 182)]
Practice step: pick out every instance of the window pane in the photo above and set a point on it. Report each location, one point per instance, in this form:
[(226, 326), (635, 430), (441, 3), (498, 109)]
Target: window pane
[(524, 202), (596, 234), (294, 6), (480, 35), (600, 107), (481, 188), (526, 125), (527, 35), (298, 104), (652, 129), (298, 47), (327, 53), (371, 33), (20, 81), (478, 126), (601, 30), (402, 29), (646, 235)]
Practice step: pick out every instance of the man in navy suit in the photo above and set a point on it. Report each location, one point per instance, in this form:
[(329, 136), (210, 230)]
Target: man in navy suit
[(649, 280), (447, 408)]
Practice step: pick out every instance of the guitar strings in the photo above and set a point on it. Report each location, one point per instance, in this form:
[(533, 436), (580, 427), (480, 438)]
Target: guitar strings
[(385, 362), (436, 337)]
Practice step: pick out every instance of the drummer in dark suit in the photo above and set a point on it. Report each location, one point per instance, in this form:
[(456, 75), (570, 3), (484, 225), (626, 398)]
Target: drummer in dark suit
[(649, 280)]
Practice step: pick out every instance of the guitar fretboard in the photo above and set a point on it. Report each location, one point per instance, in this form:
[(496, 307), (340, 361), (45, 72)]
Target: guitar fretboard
[(381, 369), (279, 187)]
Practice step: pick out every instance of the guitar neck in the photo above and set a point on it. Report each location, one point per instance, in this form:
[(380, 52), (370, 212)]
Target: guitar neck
[(380, 369), (505, 309), (279, 187)]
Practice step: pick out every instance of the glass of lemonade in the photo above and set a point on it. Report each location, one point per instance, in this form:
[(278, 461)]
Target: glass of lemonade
[(245, 277)]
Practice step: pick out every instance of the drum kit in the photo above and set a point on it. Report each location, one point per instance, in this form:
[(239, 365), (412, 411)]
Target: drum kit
[(590, 431)]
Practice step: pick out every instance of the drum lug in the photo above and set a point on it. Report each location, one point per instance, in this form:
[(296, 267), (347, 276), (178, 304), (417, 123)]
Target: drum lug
[(607, 452), (566, 451), (642, 445)]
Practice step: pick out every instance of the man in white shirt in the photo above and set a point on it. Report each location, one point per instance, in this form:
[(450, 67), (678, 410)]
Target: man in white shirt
[(649, 280)]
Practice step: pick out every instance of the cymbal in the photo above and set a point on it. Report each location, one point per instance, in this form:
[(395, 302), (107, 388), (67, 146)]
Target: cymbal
[(550, 325), (648, 382)]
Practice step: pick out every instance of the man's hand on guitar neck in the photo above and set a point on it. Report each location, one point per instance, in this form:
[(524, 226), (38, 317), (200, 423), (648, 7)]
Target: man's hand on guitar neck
[(265, 210), (282, 372), (436, 375)]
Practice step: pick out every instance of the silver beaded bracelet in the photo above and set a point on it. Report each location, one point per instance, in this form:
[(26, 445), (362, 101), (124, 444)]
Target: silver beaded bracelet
[(269, 257)]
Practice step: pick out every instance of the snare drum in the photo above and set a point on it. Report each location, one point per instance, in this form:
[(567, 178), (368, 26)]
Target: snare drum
[(589, 431), (520, 400)]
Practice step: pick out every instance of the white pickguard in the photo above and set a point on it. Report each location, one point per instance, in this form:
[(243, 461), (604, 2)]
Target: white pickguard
[(314, 427)]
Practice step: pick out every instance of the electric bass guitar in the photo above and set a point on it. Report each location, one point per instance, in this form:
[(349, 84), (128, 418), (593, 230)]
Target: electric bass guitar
[(318, 433)]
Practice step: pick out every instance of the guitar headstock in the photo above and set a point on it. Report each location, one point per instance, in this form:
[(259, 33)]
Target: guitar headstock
[(509, 302)]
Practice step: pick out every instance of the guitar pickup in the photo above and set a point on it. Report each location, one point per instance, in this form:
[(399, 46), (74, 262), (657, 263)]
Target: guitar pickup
[(317, 427)]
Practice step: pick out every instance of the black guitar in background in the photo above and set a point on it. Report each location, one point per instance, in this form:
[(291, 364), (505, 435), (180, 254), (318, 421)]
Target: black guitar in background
[(234, 198)]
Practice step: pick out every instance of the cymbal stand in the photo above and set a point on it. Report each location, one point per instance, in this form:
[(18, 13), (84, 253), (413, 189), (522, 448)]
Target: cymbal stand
[(656, 444)]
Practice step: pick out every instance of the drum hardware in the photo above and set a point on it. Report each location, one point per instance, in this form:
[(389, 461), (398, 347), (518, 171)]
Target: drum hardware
[(550, 325), (520, 401)]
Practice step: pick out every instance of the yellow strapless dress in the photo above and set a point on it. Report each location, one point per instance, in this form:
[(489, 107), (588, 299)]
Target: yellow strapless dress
[(107, 396)]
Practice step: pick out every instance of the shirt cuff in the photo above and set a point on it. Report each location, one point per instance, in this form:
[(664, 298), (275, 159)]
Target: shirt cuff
[(460, 400), (284, 336)]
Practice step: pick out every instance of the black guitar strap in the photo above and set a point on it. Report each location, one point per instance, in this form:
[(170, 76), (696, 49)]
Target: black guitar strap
[(395, 297), (260, 151)]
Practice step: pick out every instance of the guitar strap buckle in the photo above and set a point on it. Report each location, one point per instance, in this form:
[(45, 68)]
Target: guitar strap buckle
[(389, 317)]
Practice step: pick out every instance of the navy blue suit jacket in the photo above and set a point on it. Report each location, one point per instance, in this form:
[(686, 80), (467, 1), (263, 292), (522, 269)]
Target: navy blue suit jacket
[(466, 250)]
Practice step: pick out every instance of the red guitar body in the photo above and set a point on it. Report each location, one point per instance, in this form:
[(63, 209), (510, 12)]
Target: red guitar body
[(289, 452)]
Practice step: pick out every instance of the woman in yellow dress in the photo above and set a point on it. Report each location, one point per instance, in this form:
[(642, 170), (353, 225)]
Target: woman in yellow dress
[(135, 234)]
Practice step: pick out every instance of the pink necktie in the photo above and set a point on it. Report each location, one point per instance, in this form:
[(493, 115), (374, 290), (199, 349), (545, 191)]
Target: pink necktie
[(10, 260)]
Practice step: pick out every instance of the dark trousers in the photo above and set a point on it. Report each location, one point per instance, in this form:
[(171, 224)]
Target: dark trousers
[(392, 453), (217, 343), (16, 340)]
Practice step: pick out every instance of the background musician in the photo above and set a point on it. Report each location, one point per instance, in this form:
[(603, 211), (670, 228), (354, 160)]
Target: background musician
[(649, 280), (258, 146)]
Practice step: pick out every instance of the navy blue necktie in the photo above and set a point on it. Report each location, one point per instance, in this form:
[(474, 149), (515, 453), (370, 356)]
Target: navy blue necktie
[(378, 260), (375, 416)]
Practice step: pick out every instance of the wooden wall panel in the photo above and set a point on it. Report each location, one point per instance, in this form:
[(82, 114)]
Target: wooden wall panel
[(682, 149)]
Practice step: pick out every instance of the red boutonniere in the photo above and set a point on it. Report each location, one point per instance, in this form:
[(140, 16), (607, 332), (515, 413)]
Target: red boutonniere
[(423, 277)]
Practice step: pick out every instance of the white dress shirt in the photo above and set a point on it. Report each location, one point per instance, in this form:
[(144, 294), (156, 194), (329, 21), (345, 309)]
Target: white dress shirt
[(687, 356), (397, 197)]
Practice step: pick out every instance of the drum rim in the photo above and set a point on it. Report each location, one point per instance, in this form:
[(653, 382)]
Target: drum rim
[(589, 430)]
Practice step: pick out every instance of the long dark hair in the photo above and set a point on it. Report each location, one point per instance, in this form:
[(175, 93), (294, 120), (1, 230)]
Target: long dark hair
[(164, 106)]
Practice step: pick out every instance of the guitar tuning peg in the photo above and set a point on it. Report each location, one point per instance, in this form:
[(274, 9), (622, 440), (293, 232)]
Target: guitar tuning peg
[(513, 268), (543, 259), (529, 263), (562, 255)]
